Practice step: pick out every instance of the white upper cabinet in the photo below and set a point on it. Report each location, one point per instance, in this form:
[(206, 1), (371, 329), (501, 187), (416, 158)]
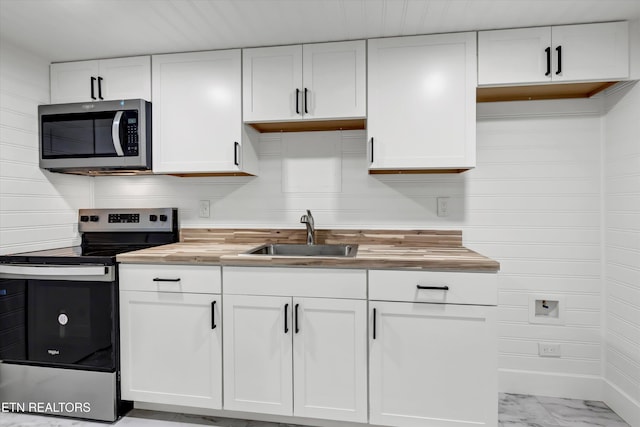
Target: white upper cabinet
[(272, 79), (197, 115), (570, 53), (101, 80), (334, 80), (315, 81), (422, 103)]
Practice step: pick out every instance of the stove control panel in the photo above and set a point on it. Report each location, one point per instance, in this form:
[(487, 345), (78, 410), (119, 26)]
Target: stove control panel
[(124, 217), (147, 219)]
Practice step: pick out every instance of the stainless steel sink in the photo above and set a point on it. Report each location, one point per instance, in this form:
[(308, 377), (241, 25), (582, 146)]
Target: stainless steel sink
[(295, 250)]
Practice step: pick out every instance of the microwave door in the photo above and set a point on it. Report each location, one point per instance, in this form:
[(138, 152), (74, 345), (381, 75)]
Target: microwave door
[(115, 133)]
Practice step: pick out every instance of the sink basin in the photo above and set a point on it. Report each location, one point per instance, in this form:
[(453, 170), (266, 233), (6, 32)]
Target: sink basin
[(287, 249)]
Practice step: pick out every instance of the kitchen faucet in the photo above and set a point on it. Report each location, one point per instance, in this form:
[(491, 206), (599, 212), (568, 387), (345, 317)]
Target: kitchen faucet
[(308, 220)]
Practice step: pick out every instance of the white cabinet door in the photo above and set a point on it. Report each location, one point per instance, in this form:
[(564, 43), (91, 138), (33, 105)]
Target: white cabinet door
[(569, 53), (103, 80), (516, 56), (334, 80), (197, 114), (72, 81), (257, 354), (330, 359), (422, 104), (171, 351), (433, 365), (272, 80), (126, 78), (591, 52)]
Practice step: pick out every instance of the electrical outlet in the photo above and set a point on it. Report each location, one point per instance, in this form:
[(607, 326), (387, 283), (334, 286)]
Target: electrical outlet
[(548, 349), (443, 206), (204, 209)]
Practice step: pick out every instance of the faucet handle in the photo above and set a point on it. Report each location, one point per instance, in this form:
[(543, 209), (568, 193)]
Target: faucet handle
[(304, 219)]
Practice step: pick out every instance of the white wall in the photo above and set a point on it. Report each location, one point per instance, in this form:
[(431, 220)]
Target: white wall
[(38, 210), (622, 253), (533, 203)]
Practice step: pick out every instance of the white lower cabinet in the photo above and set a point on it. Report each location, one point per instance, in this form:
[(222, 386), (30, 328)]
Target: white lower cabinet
[(171, 339), (403, 348), (290, 355), (257, 354), (432, 364)]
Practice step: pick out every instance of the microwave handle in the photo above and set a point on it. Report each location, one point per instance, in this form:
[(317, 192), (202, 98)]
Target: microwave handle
[(115, 133)]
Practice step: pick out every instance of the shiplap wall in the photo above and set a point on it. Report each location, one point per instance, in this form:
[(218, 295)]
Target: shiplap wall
[(622, 253), (533, 203), (38, 210)]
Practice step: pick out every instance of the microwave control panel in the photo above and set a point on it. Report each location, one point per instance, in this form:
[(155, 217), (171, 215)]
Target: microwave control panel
[(131, 148)]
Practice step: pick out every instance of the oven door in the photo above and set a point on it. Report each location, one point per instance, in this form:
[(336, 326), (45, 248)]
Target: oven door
[(71, 315), (70, 323)]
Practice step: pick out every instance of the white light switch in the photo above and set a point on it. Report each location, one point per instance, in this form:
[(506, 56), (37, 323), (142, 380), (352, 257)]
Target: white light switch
[(204, 209), (443, 206)]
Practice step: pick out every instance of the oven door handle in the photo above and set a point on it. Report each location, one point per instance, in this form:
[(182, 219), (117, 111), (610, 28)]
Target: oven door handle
[(48, 270), (115, 133)]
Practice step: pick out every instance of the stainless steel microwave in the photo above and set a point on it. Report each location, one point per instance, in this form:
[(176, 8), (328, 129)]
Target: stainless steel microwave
[(96, 137)]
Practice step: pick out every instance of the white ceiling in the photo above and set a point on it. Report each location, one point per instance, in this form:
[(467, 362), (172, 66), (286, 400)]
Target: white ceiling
[(63, 30)]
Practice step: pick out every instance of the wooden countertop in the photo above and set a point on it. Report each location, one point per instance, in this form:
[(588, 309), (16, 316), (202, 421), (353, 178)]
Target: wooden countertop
[(378, 249)]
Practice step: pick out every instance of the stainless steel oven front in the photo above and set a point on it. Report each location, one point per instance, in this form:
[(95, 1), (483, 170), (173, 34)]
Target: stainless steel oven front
[(59, 339)]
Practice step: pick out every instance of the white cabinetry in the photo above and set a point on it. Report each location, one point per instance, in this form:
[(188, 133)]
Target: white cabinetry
[(101, 80), (295, 342), (422, 103), (433, 361), (197, 115), (569, 53), (314, 81), (171, 334)]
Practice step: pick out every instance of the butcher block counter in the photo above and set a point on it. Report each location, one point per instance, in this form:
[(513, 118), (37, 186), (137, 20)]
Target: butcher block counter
[(378, 249)]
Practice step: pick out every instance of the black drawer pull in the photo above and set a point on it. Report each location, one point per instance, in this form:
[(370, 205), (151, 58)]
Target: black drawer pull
[(159, 279), (286, 315), (296, 319), (374, 323), (213, 315), (93, 92), (559, 50), (548, 52), (440, 288)]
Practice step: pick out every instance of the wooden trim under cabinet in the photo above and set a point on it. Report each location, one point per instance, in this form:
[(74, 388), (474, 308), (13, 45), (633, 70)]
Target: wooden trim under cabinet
[(539, 92), (310, 125)]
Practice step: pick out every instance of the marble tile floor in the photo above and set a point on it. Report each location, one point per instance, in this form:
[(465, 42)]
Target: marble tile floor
[(516, 410)]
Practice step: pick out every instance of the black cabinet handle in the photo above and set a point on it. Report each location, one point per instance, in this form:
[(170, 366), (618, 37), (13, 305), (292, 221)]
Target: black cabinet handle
[(159, 279), (371, 149), (548, 51), (297, 101), (374, 323), (100, 88), (286, 325), (306, 92), (440, 288), (93, 93), (236, 157), (213, 315), (296, 319), (559, 50)]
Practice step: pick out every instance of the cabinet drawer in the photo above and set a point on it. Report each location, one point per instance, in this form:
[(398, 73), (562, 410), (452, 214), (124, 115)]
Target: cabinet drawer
[(412, 286), (170, 278), (297, 282)]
